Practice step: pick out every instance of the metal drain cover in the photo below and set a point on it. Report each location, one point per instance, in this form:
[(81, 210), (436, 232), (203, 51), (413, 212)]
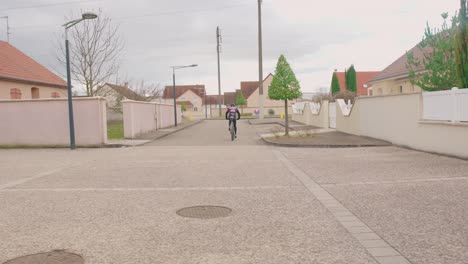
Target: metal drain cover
[(204, 212), (53, 257)]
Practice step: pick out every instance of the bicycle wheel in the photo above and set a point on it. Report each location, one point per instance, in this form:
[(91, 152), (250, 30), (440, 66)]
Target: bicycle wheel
[(233, 134)]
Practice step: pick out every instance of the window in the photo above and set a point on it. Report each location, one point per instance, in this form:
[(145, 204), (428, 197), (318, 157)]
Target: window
[(15, 93), (55, 95), (401, 89), (35, 93), (195, 109)]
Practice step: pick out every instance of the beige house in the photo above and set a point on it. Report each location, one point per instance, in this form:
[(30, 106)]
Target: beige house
[(250, 91), (193, 97), (114, 94), (21, 77), (395, 78)]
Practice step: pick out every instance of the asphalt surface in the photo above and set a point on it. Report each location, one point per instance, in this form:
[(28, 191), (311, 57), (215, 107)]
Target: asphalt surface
[(360, 205)]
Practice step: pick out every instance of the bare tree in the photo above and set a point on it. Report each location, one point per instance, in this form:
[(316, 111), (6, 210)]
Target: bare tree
[(144, 91), (94, 52)]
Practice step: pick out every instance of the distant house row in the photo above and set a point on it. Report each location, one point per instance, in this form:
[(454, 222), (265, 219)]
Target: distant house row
[(197, 103)]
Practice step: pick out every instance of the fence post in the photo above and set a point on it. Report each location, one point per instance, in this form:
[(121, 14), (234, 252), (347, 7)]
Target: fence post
[(453, 95)]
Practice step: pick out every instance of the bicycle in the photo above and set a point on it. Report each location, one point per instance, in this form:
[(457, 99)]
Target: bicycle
[(232, 130)]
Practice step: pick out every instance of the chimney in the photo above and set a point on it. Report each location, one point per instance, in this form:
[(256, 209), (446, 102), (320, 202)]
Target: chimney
[(126, 84)]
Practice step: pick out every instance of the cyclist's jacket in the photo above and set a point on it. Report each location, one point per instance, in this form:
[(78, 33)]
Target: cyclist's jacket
[(231, 113)]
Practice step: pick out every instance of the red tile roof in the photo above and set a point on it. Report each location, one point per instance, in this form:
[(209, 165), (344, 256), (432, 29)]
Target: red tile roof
[(198, 89), (248, 88), (398, 67), (362, 78), (213, 99), (229, 98), (17, 66)]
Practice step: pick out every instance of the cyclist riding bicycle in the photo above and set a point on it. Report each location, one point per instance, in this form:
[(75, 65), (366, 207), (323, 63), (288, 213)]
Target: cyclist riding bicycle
[(231, 113)]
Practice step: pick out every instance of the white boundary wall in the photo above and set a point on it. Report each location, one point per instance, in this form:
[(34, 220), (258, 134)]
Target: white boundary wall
[(44, 122), (314, 114), (398, 119), (144, 117)]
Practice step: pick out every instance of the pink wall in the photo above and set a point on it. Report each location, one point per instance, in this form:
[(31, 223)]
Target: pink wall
[(143, 117), (44, 122)]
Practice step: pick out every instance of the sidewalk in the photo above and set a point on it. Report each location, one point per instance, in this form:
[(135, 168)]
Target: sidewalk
[(152, 136)]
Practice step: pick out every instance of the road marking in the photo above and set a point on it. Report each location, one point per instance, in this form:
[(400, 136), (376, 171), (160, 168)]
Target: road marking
[(378, 248), (150, 189), (18, 182), (395, 181)]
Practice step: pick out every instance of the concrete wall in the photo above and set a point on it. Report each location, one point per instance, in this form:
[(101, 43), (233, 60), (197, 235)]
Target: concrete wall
[(318, 120), (44, 122), (143, 117), (397, 119), (44, 91)]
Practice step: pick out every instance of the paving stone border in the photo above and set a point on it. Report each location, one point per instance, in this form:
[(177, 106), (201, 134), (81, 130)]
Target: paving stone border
[(378, 248)]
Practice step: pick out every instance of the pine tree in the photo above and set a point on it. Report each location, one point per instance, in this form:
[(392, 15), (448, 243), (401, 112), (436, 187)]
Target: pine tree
[(335, 85), (240, 101), (461, 48), (182, 107), (351, 82), (284, 86)]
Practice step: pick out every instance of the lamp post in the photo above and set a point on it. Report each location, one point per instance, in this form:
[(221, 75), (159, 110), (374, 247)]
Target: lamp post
[(67, 51), (174, 90)]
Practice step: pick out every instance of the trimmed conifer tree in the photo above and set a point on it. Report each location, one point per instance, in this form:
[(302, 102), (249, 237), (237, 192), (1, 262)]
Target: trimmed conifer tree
[(335, 84), (284, 86), (461, 48), (351, 81)]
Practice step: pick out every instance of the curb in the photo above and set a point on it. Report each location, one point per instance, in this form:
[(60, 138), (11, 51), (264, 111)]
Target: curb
[(288, 145)]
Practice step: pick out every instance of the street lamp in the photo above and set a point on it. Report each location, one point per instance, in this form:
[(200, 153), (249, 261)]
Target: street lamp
[(174, 90), (67, 51)]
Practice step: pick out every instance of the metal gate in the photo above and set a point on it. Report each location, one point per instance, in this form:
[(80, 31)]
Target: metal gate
[(332, 115)]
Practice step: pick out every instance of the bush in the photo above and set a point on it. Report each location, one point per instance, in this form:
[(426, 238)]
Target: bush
[(247, 114), (347, 95), (271, 112), (320, 97)]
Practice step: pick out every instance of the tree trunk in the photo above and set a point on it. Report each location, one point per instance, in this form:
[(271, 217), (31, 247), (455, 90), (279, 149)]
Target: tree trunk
[(286, 116)]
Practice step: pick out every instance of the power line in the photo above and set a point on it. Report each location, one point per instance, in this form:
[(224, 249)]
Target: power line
[(48, 5), (165, 13)]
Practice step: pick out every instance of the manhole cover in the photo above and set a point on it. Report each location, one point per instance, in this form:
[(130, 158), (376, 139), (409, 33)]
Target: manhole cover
[(53, 257), (204, 212)]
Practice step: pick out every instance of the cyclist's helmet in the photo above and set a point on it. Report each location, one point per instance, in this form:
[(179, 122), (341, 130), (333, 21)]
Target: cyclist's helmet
[(233, 105)]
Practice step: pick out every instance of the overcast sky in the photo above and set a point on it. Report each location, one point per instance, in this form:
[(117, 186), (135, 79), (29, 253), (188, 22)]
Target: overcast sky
[(316, 36)]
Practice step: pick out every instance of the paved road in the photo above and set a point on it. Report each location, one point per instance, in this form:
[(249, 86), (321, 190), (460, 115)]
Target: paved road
[(367, 205)]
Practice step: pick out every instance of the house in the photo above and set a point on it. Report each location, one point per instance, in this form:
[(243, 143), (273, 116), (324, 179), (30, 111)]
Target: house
[(395, 78), (362, 80), (212, 105), (195, 94), (21, 77), (250, 91), (114, 94), (230, 98)]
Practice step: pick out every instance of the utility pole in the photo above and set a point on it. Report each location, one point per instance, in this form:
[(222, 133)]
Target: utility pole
[(7, 28), (218, 49), (260, 60)]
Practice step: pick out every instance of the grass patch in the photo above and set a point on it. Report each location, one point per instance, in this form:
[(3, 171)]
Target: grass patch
[(115, 130)]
